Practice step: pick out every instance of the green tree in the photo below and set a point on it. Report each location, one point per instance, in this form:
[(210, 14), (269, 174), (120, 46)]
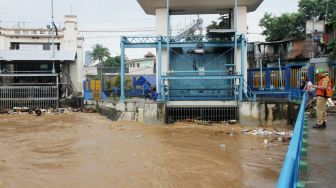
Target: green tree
[(287, 25), (321, 10), (318, 9), (99, 53), (292, 25), (117, 81), (223, 23), (332, 48), (113, 61)]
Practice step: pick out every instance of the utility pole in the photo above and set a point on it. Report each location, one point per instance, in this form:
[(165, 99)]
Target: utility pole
[(53, 49), (235, 17), (326, 15), (53, 35), (312, 39)]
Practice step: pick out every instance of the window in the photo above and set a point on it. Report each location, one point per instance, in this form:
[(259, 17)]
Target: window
[(138, 64), (46, 46), (17, 32), (14, 46)]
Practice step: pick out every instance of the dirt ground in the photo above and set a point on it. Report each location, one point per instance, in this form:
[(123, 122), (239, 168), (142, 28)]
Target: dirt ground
[(87, 150)]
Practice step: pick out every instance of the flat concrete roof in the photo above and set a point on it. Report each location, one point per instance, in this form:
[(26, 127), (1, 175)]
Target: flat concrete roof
[(182, 7)]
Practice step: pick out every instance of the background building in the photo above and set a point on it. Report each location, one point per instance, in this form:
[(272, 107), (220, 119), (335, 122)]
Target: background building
[(142, 66), (27, 58)]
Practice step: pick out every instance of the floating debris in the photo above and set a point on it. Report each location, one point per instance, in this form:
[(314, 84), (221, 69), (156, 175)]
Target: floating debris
[(232, 121), (222, 146), (265, 141), (38, 112)]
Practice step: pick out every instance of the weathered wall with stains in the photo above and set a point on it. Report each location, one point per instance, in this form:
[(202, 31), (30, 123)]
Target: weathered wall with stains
[(268, 113)]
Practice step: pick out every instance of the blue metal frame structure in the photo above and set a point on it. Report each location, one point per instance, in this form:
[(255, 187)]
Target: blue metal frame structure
[(160, 42), (167, 42)]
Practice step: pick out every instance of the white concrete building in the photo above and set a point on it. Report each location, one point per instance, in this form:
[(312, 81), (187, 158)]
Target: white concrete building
[(30, 50), (142, 66)]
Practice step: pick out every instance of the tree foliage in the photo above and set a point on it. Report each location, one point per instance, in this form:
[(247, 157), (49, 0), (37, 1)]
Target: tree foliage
[(113, 61), (117, 81), (321, 10), (287, 25), (102, 55), (99, 53), (292, 25), (318, 9), (223, 23), (332, 48)]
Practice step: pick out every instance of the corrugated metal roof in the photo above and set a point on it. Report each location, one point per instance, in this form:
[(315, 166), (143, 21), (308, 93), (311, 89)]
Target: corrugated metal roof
[(30, 55)]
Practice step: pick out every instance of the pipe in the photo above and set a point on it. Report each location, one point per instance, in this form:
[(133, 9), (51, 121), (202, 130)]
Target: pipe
[(122, 70), (159, 68)]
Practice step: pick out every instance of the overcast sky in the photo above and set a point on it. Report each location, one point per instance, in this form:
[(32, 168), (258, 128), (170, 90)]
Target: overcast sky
[(115, 15)]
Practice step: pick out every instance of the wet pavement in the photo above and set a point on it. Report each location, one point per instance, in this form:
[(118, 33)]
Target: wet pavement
[(321, 155), (88, 150)]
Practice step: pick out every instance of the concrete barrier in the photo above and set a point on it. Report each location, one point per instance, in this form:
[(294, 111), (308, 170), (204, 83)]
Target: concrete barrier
[(267, 113)]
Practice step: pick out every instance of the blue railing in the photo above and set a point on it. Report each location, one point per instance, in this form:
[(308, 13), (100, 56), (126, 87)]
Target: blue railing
[(296, 95), (289, 175)]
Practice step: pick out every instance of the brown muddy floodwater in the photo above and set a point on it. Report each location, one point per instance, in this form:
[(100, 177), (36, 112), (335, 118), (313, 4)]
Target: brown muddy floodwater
[(87, 150)]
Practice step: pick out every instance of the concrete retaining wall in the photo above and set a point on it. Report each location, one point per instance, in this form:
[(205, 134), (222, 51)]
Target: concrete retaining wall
[(267, 113), (131, 111), (250, 113)]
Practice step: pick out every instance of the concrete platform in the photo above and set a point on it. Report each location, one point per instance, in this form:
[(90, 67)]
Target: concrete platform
[(321, 155)]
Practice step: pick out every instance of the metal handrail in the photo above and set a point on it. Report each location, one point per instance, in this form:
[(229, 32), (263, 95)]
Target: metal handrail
[(249, 92), (289, 174)]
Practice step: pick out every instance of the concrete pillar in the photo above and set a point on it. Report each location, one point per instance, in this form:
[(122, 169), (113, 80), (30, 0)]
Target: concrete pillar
[(242, 28), (161, 29), (73, 42)]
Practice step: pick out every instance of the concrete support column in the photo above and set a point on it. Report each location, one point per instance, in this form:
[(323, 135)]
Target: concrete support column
[(161, 29), (241, 29)]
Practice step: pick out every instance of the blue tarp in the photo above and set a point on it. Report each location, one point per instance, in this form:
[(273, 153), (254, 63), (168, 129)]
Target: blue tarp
[(142, 79)]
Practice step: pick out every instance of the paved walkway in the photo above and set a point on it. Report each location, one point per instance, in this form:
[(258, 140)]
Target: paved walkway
[(321, 155)]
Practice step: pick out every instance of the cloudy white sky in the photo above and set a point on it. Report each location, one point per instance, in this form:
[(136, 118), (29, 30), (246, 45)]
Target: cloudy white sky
[(115, 15)]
